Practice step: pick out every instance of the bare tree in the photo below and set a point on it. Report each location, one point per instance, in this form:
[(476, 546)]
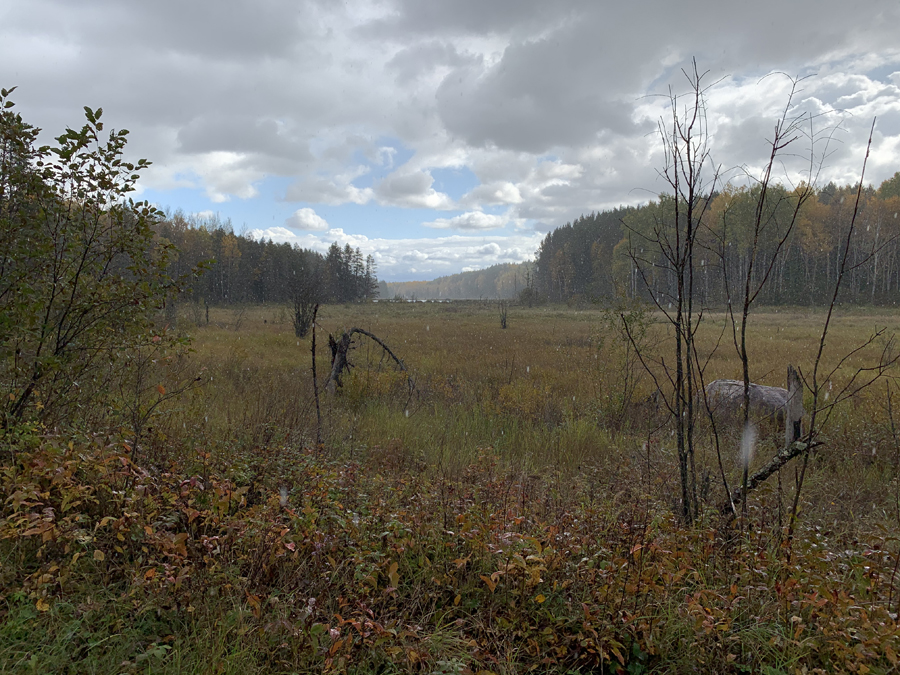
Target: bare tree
[(663, 259), (863, 376), (305, 294), (340, 362), (663, 255)]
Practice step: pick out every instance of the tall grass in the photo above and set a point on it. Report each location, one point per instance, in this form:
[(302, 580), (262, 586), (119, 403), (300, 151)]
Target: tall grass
[(544, 394)]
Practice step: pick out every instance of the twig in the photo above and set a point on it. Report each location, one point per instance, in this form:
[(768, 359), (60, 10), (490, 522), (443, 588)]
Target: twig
[(315, 380)]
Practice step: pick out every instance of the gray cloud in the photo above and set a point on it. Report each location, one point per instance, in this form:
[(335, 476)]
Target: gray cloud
[(547, 105), (431, 17), (413, 62), (218, 132), (411, 189)]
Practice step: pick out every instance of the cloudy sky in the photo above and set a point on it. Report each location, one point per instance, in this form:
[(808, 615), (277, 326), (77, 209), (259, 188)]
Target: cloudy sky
[(444, 135)]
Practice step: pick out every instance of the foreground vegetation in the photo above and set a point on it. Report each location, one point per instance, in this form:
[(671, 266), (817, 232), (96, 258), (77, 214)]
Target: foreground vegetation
[(515, 514)]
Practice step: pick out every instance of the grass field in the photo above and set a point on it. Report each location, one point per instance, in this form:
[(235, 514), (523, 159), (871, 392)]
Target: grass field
[(515, 513), (544, 394)]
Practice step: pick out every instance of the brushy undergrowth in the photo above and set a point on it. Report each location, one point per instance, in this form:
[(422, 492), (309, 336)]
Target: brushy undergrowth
[(515, 515), (364, 566)]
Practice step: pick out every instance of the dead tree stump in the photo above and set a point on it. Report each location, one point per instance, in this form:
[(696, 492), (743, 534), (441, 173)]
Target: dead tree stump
[(340, 361)]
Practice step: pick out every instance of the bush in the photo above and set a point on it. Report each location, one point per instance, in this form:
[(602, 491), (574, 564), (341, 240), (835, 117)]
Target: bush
[(81, 271)]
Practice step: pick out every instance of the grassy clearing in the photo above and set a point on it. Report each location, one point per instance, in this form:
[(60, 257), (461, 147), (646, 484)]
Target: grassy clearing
[(514, 515)]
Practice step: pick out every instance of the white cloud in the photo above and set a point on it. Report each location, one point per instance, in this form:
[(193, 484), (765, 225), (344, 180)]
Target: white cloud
[(497, 193), (306, 219), (429, 256), (411, 190), (357, 105), (471, 220)]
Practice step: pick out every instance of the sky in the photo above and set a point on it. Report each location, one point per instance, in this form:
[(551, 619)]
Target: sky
[(445, 136)]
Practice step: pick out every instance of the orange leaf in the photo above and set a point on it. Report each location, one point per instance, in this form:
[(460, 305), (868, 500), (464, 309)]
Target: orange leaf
[(491, 584), (149, 574), (161, 389), (179, 543), (255, 604)]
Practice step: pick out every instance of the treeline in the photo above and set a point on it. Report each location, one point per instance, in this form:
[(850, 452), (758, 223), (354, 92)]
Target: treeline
[(244, 270), (617, 252), (505, 280)]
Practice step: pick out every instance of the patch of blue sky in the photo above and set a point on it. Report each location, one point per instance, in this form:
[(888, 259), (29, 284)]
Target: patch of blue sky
[(883, 72), (186, 200), (454, 182), (495, 209), (266, 209), (381, 222)]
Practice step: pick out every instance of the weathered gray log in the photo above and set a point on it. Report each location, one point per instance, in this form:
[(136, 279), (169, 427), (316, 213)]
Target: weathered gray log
[(726, 401)]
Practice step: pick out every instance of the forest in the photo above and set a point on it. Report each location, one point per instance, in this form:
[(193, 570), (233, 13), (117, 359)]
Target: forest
[(505, 280), (240, 269), (594, 256)]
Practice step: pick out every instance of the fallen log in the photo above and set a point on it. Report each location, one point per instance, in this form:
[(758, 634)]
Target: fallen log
[(726, 401)]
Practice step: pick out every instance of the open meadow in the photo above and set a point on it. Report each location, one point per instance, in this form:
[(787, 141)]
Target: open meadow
[(515, 511)]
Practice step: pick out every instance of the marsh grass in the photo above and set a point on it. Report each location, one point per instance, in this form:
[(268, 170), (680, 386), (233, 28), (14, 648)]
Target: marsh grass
[(515, 513), (545, 393)]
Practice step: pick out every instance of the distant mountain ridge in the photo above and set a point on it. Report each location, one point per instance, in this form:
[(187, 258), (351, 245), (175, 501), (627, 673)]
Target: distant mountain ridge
[(505, 280)]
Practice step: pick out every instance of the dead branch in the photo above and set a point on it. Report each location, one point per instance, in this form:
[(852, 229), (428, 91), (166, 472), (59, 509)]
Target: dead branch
[(784, 456), (340, 362)]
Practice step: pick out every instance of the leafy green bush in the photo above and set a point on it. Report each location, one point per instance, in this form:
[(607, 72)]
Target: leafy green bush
[(81, 272)]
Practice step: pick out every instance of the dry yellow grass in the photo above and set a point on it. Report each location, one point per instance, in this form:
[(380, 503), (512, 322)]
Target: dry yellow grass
[(543, 395)]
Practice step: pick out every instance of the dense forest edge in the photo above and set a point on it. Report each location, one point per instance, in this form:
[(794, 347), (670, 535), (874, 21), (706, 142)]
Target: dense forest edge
[(591, 259), (595, 256), (243, 270)]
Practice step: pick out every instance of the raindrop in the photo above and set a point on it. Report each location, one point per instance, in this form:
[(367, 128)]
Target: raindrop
[(748, 443)]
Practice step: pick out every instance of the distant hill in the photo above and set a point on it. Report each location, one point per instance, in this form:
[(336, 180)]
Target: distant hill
[(498, 281)]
